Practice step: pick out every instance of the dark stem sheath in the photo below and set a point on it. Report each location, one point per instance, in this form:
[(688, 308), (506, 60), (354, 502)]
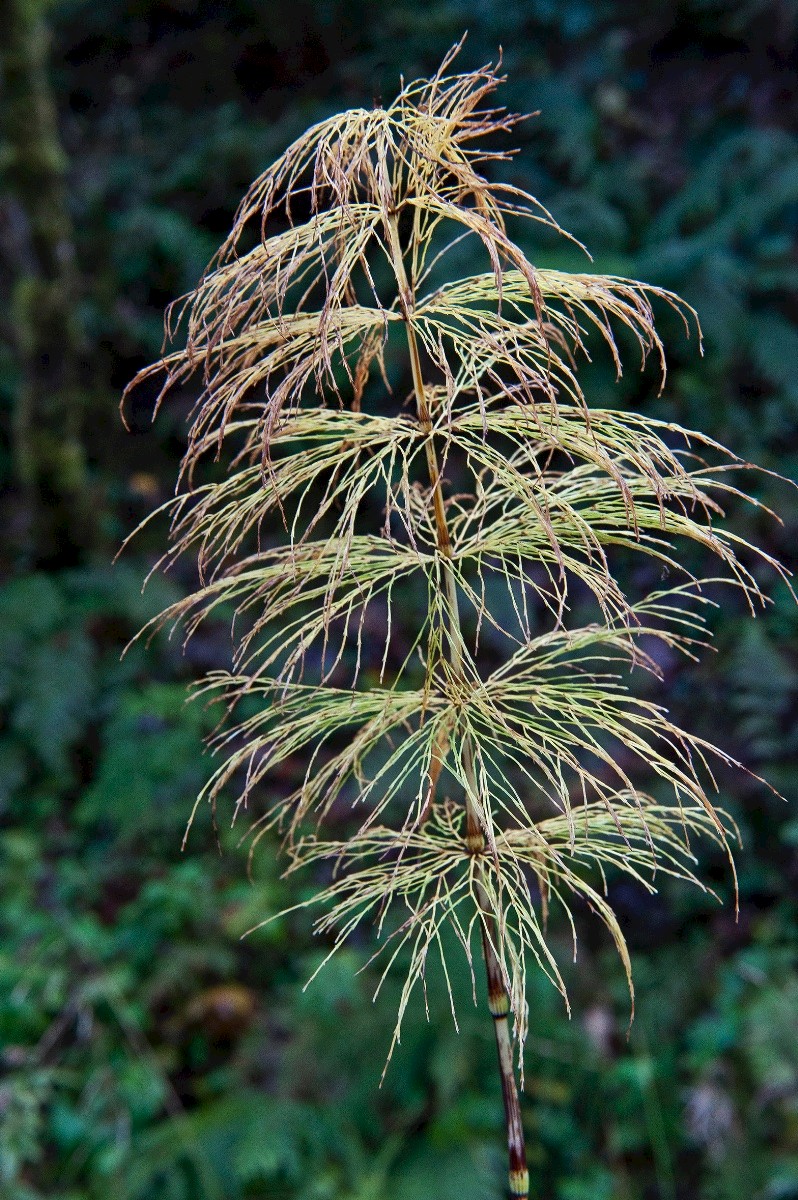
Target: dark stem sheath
[(499, 1005), (498, 998)]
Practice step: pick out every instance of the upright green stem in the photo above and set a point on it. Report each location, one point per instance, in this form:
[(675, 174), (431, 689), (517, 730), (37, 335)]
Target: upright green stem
[(498, 999)]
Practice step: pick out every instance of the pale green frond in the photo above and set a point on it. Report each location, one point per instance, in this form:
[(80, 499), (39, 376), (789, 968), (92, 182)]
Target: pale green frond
[(309, 722), (620, 444), (411, 883), (281, 357), (331, 581), (285, 269), (315, 461), (475, 350), (562, 301)]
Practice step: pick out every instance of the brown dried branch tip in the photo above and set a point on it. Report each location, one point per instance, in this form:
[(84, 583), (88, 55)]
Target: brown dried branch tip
[(492, 753)]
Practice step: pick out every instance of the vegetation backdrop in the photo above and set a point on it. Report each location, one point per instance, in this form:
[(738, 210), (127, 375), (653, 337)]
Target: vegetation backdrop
[(146, 1051)]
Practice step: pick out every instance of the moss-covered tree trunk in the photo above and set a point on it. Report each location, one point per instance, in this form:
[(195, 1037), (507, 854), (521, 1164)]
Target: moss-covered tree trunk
[(48, 456)]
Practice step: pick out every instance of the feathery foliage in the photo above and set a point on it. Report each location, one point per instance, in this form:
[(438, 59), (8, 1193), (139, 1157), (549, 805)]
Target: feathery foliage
[(492, 769)]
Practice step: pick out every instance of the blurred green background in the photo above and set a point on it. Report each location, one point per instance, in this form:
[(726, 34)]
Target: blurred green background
[(147, 1053)]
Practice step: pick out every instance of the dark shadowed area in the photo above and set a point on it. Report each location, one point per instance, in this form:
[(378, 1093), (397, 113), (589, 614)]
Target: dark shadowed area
[(147, 1051)]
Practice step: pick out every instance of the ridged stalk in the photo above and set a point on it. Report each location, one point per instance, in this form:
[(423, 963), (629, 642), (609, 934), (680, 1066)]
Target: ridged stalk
[(498, 998)]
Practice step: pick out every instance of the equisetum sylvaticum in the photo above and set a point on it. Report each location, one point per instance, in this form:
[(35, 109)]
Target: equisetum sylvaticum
[(421, 719)]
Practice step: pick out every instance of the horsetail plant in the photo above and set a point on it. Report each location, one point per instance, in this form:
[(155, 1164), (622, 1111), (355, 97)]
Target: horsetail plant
[(489, 745)]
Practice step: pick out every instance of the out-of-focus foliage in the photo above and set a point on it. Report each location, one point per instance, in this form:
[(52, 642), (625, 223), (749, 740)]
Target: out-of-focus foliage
[(149, 1053)]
